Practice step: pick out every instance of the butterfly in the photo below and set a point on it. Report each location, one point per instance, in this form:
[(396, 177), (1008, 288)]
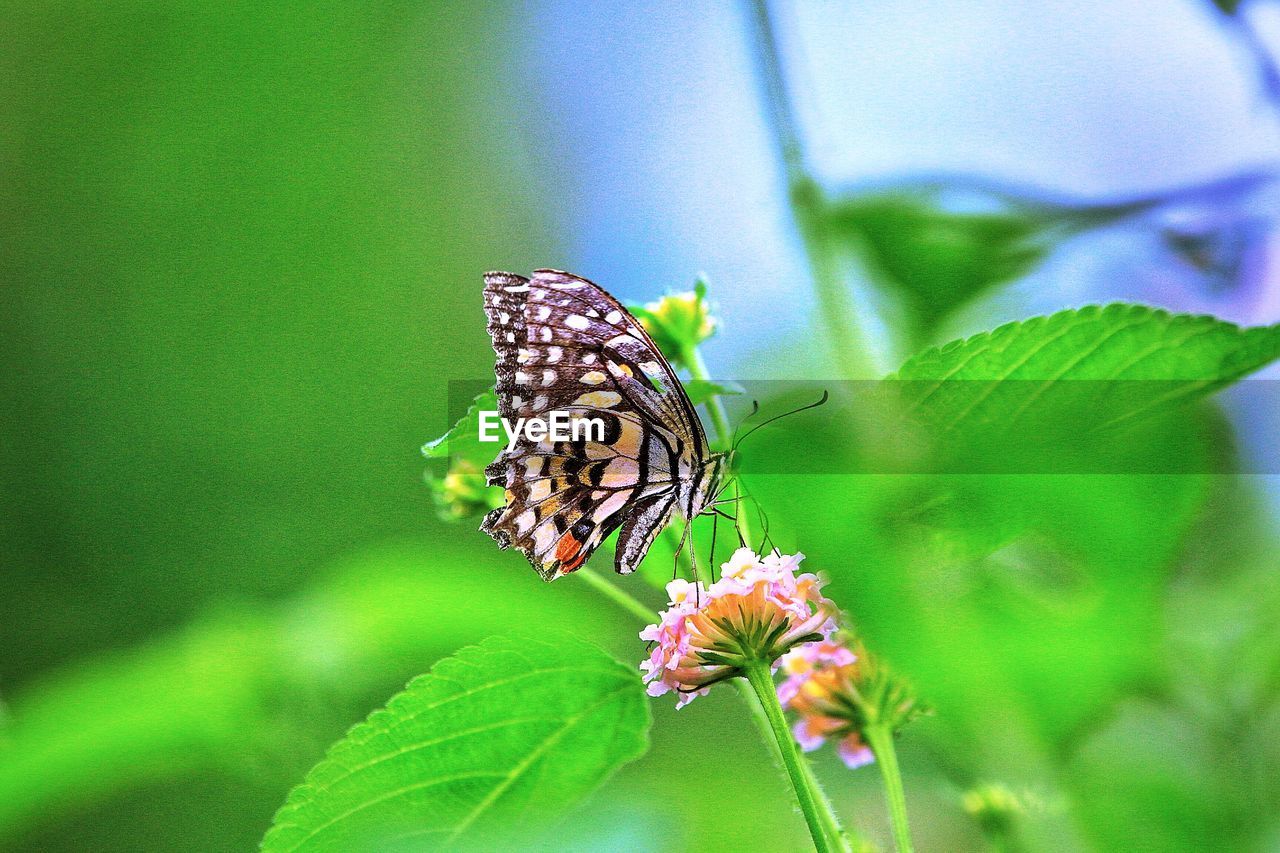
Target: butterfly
[(564, 344)]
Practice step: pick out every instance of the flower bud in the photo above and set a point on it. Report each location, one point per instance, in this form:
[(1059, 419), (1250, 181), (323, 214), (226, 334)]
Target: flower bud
[(678, 322), (462, 492)]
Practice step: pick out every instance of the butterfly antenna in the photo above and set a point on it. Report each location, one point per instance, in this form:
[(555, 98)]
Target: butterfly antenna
[(755, 410), (821, 401)]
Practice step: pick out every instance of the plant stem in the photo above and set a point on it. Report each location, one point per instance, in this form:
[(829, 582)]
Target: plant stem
[(808, 204), (720, 423), (831, 824), (624, 600), (715, 408), (761, 680), (880, 739)]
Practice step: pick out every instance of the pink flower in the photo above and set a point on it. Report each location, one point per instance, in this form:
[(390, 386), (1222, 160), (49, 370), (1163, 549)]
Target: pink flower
[(757, 611), (819, 687), (837, 691)]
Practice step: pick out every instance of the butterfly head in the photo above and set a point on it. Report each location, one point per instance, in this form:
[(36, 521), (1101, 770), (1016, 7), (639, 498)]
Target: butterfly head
[(716, 472)]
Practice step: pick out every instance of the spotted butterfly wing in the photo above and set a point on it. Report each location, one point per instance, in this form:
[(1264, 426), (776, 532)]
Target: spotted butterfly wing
[(565, 345)]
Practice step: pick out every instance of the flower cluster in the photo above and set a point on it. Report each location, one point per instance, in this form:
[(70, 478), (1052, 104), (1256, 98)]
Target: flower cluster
[(758, 610), (837, 690), (818, 687)]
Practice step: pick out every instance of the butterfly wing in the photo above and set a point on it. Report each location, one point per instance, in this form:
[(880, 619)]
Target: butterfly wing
[(564, 344)]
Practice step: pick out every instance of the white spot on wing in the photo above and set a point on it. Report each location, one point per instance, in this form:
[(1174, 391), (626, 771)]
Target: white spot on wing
[(577, 321), (548, 377), (553, 354), (613, 317), (595, 377), (544, 538)]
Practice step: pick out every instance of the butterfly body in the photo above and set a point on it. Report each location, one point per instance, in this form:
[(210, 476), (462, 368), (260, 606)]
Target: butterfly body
[(564, 344)]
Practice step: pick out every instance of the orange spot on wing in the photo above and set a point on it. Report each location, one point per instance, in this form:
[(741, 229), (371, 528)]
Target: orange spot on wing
[(567, 547), (570, 553)]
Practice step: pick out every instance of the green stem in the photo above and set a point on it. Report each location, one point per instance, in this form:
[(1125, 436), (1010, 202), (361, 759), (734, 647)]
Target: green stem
[(720, 423), (761, 680), (880, 739), (719, 420), (826, 812), (831, 824), (808, 205), (624, 600)]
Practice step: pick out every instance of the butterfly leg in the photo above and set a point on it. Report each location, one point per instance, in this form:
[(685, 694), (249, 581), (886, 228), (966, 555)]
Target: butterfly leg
[(715, 518), (765, 539), (719, 513), (675, 559), (693, 556)]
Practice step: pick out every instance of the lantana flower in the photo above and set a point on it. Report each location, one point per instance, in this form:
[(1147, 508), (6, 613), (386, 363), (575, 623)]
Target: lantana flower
[(758, 611), (818, 681), (836, 690)]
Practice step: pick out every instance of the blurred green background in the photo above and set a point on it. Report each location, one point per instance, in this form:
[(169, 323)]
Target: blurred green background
[(240, 250)]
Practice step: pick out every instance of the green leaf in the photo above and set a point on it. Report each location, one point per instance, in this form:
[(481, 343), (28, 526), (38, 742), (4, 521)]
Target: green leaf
[(504, 736), (1113, 342), (702, 390), (1078, 371), (463, 438)]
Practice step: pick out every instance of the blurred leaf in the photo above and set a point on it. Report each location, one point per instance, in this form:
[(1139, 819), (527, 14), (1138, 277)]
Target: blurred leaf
[(1043, 587), (1227, 7), (260, 692), (936, 259), (938, 246), (505, 735), (702, 390), (463, 438), (1144, 772)]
